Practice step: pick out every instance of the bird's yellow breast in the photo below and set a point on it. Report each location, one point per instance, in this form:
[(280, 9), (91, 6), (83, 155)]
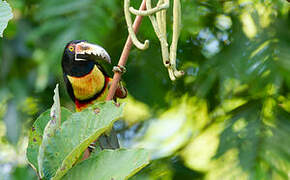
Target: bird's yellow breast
[(87, 86)]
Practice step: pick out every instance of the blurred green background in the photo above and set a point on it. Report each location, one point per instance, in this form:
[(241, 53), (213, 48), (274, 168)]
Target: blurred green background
[(227, 118)]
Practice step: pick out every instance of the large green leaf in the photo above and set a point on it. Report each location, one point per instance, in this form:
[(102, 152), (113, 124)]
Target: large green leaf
[(5, 15), (51, 118), (110, 164), (63, 148), (36, 132)]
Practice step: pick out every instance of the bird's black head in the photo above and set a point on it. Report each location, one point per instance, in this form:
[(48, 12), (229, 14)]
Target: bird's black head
[(69, 50), (80, 56)]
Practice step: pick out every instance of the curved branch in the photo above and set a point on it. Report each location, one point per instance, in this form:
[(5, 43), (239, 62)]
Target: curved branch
[(149, 11), (132, 34)]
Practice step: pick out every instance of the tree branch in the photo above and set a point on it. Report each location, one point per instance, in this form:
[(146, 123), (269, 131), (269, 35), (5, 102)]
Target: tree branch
[(125, 52)]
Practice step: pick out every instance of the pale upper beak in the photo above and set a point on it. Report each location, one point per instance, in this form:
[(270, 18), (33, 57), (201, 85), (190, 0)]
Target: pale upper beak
[(85, 51)]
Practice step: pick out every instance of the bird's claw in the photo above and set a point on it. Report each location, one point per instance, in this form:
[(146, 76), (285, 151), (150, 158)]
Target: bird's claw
[(92, 146), (120, 69)]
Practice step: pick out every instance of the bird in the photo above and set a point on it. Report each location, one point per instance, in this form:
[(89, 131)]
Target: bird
[(86, 73)]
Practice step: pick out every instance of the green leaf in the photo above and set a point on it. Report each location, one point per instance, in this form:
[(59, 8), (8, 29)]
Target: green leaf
[(63, 148), (50, 128), (35, 135), (5, 15), (258, 143), (110, 164), (55, 109)]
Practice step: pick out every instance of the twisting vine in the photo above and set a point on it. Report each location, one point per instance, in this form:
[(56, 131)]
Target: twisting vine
[(132, 34), (157, 16)]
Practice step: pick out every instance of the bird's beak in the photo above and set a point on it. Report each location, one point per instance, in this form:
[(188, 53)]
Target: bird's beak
[(85, 51)]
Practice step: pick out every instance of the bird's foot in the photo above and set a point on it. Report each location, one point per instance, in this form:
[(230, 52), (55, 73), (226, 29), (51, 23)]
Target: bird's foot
[(120, 69), (92, 146)]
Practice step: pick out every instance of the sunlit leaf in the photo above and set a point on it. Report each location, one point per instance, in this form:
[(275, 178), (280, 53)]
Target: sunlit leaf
[(199, 152), (249, 25), (257, 142), (5, 15), (55, 113), (50, 128), (172, 129), (63, 148), (110, 164), (36, 135)]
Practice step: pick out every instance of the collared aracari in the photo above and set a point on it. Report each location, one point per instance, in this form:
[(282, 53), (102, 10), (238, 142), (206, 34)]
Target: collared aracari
[(86, 75)]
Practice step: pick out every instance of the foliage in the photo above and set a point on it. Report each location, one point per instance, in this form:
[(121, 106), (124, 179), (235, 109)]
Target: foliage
[(6, 15), (55, 148), (227, 118), (110, 164), (36, 132)]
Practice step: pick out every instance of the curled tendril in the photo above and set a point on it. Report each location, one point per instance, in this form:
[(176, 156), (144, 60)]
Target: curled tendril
[(157, 16), (148, 12), (134, 39), (161, 34), (175, 37)]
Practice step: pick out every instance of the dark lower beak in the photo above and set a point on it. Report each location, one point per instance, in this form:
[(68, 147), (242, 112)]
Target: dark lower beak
[(85, 51)]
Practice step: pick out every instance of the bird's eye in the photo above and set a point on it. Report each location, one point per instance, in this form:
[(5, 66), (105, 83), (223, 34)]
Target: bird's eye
[(71, 48)]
